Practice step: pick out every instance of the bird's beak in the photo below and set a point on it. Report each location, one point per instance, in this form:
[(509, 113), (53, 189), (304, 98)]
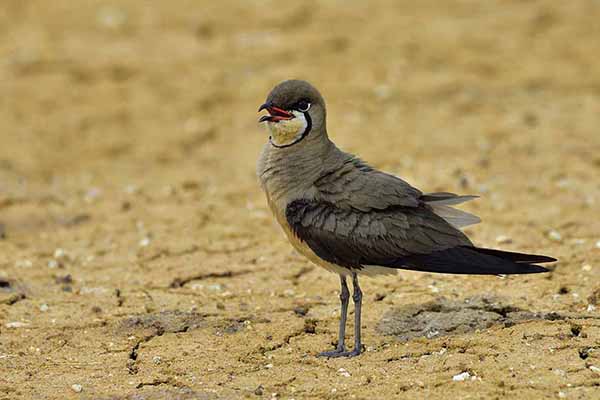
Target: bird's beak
[(276, 114)]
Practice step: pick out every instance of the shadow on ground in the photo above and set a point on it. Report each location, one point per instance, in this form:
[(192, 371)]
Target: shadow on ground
[(444, 317)]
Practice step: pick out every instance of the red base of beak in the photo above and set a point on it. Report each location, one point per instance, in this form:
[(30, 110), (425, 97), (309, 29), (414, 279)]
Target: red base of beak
[(276, 114)]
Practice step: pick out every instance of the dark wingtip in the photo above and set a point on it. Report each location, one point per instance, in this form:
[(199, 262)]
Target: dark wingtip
[(516, 257)]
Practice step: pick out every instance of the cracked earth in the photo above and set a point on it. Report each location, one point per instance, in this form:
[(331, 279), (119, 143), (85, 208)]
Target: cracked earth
[(138, 259)]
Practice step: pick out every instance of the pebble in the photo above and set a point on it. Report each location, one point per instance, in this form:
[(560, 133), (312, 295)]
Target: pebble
[(59, 253), (16, 324), (344, 372), (145, 242), (433, 289), (598, 244), (217, 287), (554, 235), (156, 360), (586, 267), (77, 388), (502, 239), (432, 333), (595, 369), (44, 307), (463, 376), (562, 395)]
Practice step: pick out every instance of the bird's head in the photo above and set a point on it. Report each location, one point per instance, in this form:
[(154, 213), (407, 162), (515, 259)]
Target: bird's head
[(296, 110)]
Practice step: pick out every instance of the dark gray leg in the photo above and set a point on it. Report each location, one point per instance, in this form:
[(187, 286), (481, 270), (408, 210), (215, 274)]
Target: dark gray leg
[(357, 297), (340, 351), (344, 299)]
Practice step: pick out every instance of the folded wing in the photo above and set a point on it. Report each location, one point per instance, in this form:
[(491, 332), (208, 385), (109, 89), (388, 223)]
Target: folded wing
[(413, 238)]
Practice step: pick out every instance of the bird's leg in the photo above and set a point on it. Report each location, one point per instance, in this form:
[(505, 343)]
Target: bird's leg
[(344, 299), (340, 351), (357, 297)]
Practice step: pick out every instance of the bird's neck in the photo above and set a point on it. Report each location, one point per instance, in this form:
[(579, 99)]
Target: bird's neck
[(289, 173)]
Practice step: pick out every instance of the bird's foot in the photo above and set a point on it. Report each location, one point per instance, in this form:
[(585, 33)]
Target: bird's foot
[(339, 353)]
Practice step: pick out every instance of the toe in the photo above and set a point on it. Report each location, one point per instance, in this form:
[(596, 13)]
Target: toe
[(332, 353), (339, 353)]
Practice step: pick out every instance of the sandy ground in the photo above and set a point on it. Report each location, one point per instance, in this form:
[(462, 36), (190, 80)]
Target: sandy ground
[(138, 259)]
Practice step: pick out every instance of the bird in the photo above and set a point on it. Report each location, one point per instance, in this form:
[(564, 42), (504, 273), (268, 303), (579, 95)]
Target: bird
[(352, 219)]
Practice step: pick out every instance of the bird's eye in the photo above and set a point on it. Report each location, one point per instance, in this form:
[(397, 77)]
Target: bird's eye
[(303, 105)]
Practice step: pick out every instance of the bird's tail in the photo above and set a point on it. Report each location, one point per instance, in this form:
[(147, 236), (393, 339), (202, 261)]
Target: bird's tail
[(473, 260)]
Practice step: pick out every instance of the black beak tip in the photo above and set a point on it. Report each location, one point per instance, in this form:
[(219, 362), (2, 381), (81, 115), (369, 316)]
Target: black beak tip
[(262, 107), (264, 118)]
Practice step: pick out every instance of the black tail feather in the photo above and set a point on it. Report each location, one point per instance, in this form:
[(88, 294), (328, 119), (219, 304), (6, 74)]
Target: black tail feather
[(472, 260), (516, 257)]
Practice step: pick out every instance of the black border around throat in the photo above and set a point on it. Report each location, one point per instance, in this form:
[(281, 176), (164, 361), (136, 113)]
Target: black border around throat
[(304, 134)]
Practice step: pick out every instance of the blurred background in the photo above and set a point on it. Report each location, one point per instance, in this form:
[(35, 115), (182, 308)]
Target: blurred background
[(129, 138)]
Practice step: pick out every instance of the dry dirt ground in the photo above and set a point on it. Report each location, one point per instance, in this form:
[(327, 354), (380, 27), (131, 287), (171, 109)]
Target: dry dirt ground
[(138, 259)]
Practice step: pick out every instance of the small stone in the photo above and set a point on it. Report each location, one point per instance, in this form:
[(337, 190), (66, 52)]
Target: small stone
[(269, 366), (259, 390), (562, 395), (344, 372), (59, 253), (502, 239), (301, 310), (554, 235), (145, 242), (463, 376), (590, 308), (598, 244), (16, 324), (594, 369), (44, 307), (77, 388), (156, 360), (559, 372), (434, 289), (431, 333), (586, 267), (53, 264)]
